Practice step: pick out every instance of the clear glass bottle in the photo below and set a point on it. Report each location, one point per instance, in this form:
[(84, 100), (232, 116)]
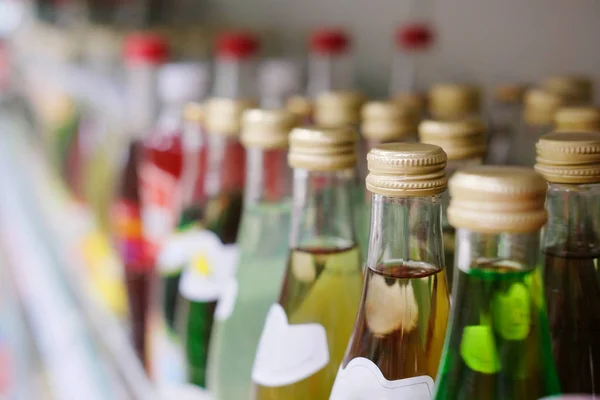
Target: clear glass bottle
[(577, 119), (505, 112), (539, 109), (498, 342), (262, 239), (396, 345), (464, 143), (307, 329), (236, 66), (572, 89), (570, 163), (143, 55)]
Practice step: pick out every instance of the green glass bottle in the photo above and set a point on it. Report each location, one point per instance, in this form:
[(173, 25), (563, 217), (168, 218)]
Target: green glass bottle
[(306, 331), (498, 342), (464, 142), (263, 241)]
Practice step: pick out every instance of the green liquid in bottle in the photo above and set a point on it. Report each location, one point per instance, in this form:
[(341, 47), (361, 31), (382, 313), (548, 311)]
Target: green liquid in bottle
[(498, 346)]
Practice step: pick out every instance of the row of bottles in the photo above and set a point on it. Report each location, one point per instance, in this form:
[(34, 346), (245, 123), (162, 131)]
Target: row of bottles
[(260, 281)]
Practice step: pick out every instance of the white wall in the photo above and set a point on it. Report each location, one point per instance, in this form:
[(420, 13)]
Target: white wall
[(485, 40)]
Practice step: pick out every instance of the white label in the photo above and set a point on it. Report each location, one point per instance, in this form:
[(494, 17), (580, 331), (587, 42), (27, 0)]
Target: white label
[(178, 250), (288, 353), (362, 380), (212, 265), (226, 302)]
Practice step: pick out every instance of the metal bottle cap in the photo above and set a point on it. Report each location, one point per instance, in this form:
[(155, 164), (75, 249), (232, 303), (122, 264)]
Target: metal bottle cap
[(387, 121), (319, 148), (267, 128), (461, 140)]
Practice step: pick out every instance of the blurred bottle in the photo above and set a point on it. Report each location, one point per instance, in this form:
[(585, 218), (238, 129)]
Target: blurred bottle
[(235, 75), (162, 164), (263, 238), (454, 101), (570, 163), (210, 224), (505, 111), (413, 40), (573, 90), (307, 330), (498, 344), (396, 345), (464, 144), (382, 122), (577, 119), (279, 80), (143, 55), (539, 109)]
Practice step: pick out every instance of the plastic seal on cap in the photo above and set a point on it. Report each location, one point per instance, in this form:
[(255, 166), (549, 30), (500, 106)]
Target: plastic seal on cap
[(578, 119), (510, 93), (572, 89), (497, 199), (237, 45), (267, 128), (386, 121), (461, 140), (194, 111), (540, 106), (145, 47), (224, 116), (454, 101), (318, 148), (569, 157), (301, 106), (338, 108), (182, 82), (406, 170), (329, 41)]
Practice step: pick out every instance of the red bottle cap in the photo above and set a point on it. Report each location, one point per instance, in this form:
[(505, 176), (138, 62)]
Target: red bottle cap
[(145, 47), (329, 41), (414, 36), (237, 45)]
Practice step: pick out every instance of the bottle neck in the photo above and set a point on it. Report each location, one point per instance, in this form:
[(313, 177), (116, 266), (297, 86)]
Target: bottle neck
[(406, 229), (268, 176), (141, 99), (170, 118), (328, 73), (405, 73), (474, 250), (573, 215), (225, 163), (323, 209), (235, 79)]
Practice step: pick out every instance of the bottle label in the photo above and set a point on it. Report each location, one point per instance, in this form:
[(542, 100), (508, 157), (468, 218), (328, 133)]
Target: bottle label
[(362, 379), (177, 251), (288, 353), (160, 199), (129, 238), (226, 302), (211, 266)]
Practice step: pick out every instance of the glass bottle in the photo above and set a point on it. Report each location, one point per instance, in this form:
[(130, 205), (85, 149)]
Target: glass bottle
[(505, 111), (577, 119), (143, 55), (307, 329), (396, 345), (210, 223), (162, 164), (454, 101), (235, 66), (570, 163), (539, 109), (381, 122), (572, 89), (498, 342), (464, 143), (263, 244)]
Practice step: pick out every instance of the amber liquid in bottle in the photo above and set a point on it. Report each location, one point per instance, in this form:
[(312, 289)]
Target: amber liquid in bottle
[(401, 325), (573, 296)]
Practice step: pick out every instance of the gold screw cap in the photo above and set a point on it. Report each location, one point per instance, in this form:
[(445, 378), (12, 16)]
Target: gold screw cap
[(573, 89), (461, 140), (578, 119), (338, 108), (267, 128), (494, 199), (406, 170), (318, 148), (454, 101), (301, 106), (569, 157), (387, 121), (224, 116), (510, 93), (194, 112), (540, 107), (414, 101)]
